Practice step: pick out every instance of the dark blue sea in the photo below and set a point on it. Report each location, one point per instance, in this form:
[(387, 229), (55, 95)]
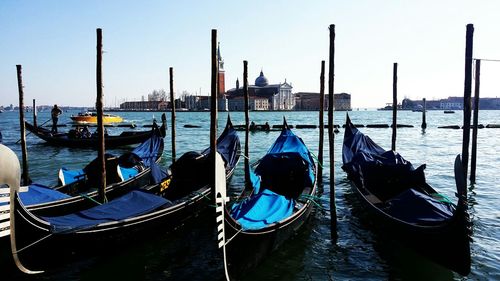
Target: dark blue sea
[(190, 252)]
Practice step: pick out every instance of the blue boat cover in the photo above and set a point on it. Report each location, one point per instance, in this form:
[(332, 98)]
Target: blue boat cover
[(157, 174), (228, 145), (262, 209), (38, 194), (128, 173), (150, 150), (132, 204), (415, 207), (147, 152), (70, 176), (277, 181)]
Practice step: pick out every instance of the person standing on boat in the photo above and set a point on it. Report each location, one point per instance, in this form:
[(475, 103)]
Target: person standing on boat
[(55, 112)]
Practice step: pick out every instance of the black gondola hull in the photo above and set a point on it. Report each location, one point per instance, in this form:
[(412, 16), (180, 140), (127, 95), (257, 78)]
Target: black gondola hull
[(65, 140)]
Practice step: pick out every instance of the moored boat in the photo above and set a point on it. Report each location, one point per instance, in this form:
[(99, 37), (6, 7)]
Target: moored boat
[(277, 205), (77, 188), (81, 137), (136, 214), (404, 206)]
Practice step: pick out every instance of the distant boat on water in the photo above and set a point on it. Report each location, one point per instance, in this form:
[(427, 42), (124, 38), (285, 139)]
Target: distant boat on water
[(91, 118), (449, 111)]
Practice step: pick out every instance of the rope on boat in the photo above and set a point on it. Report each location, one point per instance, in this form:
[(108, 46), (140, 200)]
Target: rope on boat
[(230, 239), (205, 197), (92, 199), (316, 158), (313, 199), (441, 198), (32, 244)]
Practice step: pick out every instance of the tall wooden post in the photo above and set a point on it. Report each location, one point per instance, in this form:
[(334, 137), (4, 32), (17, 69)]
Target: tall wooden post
[(333, 208), (213, 105), (424, 122), (394, 104), (475, 123), (321, 121), (34, 113), (172, 105), (100, 125), (467, 97), (25, 175), (247, 124)]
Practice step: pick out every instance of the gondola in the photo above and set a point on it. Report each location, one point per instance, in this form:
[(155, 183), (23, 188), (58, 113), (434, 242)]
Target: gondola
[(404, 205), (272, 210), (129, 171), (83, 138), (138, 214)]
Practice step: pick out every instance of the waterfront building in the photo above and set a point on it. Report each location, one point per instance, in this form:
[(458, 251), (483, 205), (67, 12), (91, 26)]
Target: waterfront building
[(144, 105), (279, 96), (310, 101)]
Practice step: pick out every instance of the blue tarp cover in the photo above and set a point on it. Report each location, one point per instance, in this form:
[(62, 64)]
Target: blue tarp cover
[(38, 194), (149, 150), (262, 209), (128, 173), (132, 204), (265, 206), (415, 207), (157, 174), (71, 176)]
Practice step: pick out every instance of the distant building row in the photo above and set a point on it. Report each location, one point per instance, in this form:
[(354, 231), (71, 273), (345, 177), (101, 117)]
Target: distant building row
[(262, 96), (450, 103)]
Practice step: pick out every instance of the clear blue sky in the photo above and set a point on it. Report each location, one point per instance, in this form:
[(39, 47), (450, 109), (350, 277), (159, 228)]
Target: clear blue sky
[(55, 42)]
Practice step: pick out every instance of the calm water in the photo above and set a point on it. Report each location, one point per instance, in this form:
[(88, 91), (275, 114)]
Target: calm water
[(358, 254)]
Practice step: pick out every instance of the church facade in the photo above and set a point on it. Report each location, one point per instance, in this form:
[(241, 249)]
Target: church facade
[(262, 95)]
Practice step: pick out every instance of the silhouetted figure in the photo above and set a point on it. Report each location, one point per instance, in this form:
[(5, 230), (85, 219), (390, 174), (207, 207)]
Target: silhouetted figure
[(252, 126), (55, 112), (267, 127)]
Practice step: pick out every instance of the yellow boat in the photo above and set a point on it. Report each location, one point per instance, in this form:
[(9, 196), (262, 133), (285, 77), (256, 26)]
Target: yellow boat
[(91, 118)]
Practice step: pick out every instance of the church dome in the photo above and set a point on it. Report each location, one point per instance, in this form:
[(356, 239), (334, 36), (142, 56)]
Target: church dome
[(261, 81)]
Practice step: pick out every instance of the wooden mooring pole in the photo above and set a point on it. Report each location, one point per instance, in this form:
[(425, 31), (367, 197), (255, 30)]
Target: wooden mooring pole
[(25, 175), (34, 113), (424, 122), (321, 121), (247, 124), (172, 105), (467, 96), (394, 104), (213, 106), (331, 136), (475, 123), (100, 125)]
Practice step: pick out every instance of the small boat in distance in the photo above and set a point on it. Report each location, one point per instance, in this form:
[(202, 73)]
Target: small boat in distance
[(91, 118), (449, 111)]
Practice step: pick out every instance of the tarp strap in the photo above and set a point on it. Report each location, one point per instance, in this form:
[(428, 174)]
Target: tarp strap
[(34, 243), (92, 199)]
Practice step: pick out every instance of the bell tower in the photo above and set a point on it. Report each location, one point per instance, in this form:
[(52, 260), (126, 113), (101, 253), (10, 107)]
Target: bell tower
[(221, 75), (221, 87)]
